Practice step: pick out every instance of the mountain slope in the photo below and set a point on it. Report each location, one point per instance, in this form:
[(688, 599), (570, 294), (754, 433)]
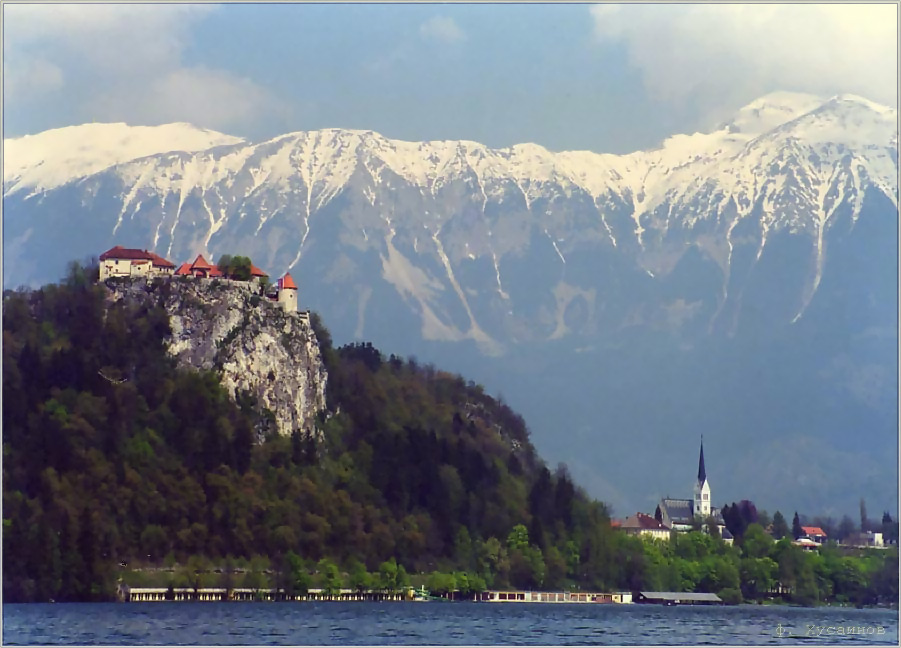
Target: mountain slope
[(55, 157), (731, 249)]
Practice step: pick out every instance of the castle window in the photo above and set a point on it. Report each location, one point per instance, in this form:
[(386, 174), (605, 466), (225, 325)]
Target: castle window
[(705, 497)]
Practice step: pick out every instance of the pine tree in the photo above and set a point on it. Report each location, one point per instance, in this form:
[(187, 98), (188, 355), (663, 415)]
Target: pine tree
[(780, 527), (797, 531), (864, 527)]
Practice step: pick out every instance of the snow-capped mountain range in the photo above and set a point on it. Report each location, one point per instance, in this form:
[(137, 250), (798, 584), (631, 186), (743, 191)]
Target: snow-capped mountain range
[(787, 162), (781, 219)]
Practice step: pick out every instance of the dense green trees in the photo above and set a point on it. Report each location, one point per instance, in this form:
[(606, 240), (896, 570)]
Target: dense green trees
[(761, 568), (780, 526), (115, 461), (235, 267), (112, 455)]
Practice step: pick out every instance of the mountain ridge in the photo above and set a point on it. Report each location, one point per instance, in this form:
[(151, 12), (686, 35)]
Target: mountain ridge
[(737, 250)]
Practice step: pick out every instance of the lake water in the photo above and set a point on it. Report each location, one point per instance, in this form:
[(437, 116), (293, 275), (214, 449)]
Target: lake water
[(323, 623)]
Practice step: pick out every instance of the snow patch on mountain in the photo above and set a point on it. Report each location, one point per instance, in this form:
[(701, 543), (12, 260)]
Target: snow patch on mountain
[(787, 160), (55, 157)]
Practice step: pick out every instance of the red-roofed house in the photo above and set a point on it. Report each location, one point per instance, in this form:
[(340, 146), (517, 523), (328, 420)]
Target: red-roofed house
[(814, 534), (806, 544), (203, 268), (131, 262), (199, 268), (644, 524)]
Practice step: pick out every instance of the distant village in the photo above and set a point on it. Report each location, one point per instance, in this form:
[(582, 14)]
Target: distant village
[(131, 262), (683, 515)]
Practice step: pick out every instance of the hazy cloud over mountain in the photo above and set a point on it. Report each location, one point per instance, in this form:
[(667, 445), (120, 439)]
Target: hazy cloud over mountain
[(608, 78), (720, 55), (125, 63)]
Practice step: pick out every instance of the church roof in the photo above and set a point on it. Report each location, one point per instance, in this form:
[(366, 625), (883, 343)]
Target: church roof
[(702, 471), (680, 511)]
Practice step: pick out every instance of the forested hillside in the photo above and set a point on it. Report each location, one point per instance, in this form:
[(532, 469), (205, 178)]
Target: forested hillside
[(118, 464), (113, 455)]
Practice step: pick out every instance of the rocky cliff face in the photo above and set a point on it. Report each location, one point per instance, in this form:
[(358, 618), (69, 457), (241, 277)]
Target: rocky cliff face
[(253, 345)]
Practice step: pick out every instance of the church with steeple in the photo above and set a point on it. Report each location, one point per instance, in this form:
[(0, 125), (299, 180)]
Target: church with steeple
[(680, 514)]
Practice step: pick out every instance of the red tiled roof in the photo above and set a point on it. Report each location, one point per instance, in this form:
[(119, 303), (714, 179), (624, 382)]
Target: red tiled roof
[(215, 271), (813, 531), (643, 521), (160, 262), (120, 252), (134, 254), (200, 263), (256, 272), (287, 282), (184, 269)]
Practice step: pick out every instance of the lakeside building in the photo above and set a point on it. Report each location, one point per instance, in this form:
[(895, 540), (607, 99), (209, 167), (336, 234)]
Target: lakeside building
[(678, 598), (518, 596)]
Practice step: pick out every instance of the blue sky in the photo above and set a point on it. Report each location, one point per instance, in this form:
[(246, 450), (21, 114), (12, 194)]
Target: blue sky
[(608, 78)]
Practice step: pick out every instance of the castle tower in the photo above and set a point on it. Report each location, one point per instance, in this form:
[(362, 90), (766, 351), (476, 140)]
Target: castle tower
[(287, 293), (702, 488)]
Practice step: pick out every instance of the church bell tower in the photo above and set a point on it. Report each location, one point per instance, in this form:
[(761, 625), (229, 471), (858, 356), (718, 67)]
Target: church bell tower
[(702, 488)]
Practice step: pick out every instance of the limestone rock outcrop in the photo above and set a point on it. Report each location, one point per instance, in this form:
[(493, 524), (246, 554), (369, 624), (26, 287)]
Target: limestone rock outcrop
[(252, 344)]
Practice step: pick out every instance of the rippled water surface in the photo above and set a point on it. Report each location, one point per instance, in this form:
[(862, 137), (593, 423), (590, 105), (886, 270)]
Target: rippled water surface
[(437, 623)]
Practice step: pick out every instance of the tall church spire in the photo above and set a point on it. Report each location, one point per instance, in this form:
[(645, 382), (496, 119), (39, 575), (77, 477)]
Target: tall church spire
[(702, 472)]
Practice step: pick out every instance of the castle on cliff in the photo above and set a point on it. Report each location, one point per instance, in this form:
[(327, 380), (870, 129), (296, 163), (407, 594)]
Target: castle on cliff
[(131, 262)]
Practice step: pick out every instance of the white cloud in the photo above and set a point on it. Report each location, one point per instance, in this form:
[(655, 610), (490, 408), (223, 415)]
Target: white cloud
[(125, 62), (34, 77), (720, 54), (210, 98), (109, 36), (443, 29)]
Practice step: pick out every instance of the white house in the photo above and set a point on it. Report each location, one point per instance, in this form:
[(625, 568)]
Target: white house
[(645, 525), (131, 262)]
